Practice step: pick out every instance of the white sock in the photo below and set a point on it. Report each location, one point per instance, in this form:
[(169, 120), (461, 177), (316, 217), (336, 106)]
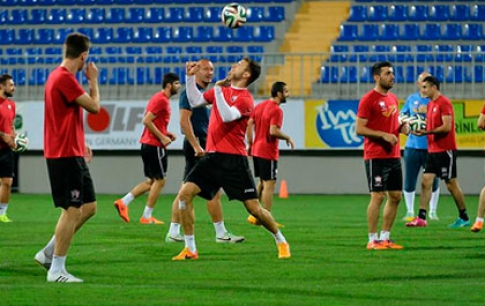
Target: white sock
[(190, 243), (3, 208), (128, 198), (49, 247), (147, 213), (384, 235), (174, 229), (279, 237), (373, 237), (433, 203), (409, 200), (58, 263), (220, 229), (479, 219)]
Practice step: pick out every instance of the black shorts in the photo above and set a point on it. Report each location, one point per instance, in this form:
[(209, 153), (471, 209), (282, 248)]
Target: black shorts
[(6, 163), (384, 174), (442, 164), (154, 161), (190, 158), (265, 169), (71, 183), (228, 171)]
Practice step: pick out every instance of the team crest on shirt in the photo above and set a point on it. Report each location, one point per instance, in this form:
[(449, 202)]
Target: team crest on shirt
[(387, 111), (377, 181), (75, 195), (233, 98)]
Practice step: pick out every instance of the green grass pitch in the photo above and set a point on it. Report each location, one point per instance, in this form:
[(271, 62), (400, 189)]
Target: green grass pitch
[(130, 264)]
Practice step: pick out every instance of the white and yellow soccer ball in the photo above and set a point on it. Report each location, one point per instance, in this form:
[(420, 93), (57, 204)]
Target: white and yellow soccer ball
[(417, 122), (22, 142), (234, 15)]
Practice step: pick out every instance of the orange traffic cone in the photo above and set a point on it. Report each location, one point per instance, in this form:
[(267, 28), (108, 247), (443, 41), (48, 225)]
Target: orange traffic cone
[(283, 190)]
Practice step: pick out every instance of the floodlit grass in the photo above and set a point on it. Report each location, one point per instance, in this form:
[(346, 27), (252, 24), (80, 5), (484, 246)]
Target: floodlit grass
[(130, 264)]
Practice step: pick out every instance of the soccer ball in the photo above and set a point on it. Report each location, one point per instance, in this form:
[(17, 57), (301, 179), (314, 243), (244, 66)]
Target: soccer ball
[(417, 122), (22, 143), (234, 15)]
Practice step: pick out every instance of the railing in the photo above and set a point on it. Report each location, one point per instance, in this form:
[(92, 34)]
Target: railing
[(309, 75)]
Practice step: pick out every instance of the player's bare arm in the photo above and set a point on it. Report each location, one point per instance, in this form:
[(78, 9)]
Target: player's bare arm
[(188, 131), (90, 102), (363, 130), (275, 131), (481, 122)]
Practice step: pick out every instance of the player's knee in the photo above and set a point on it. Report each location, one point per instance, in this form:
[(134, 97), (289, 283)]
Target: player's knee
[(7, 182)]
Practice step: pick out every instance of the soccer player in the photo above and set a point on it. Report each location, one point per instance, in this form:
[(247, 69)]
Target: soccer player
[(441, 160), (267, 120), (154, 141), (7, 143), (415, 153), (64, 150), (478, 225), (378, 121), (194, 123), (225, 164)]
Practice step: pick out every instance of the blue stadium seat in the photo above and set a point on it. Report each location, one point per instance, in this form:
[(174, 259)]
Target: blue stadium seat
[(53, 55), (7, 36), (478, 74), (473, 31), (143, 76), (359, 54), (452, 31), (104, 2), (398, 73), (143, 35), (37, 16), (3, 16), (457, 74), (398, 13), (154, 54), (76, 15), (432, 31), (244, 34), (255, 14), (103, 36), (25, 3), (213, 14), (369, 32), (33, 57), (203, 34), (9, 2), (389, 31), (66, 2), (410, 31), (412, 73), (123, 2), (174, 54), (174, 14), (439, 12), (86, 2), (180, 71), (274, 14), (155, 15), (19, 76), (379, 53), (478, 12), (162, 35), (194, 14), (348, 32), (38, 76), (402, 53), (89, 32), (214, 53), (460, 12), (479, 56), (113, 55), (194, 52), (159, 73), (264, 33), (115, 15), (44, 36), (377, 13), (56, 16), (221, 72), (349, 74), (25, 36), (366, 75), (338, 53), (358, 13), (135, 15), (182, 34), (444, 53), (133, 53), (95, 15), (46, 2), (329, 74), (124, 35), (418, 13), (119, 76), (222, 34), (17, 16), (463, 53), (235, 53), (255, 52), (424, 53)]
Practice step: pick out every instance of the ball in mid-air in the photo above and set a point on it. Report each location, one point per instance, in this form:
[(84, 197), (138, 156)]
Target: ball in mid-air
[(234, 15), (417, 122), (22, 143)]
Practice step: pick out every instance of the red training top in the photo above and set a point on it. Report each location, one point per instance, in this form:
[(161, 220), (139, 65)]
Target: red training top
[(266, 114)]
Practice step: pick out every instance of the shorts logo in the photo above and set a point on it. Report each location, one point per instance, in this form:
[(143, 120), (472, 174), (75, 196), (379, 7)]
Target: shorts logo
[(444, 172), (248, 190), (378, 181), (75, 195)]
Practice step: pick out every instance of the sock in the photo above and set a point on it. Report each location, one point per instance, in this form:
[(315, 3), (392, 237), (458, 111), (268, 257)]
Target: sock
[(3, 208), (385, 235), (433, 202), (422, 214), (409, 200), (464, 214), (147, 213), (190, 243), (49, 247), (373, 237), (479, 220), (279, 237), (174, 229), (58, 263), (220, 229), (128, 198)]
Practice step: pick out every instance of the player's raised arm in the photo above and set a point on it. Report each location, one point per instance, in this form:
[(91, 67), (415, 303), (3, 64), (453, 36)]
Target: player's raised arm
[(194, 96)]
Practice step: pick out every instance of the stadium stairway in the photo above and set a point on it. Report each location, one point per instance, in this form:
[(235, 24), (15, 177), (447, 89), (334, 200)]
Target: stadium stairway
[(311, 31)]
